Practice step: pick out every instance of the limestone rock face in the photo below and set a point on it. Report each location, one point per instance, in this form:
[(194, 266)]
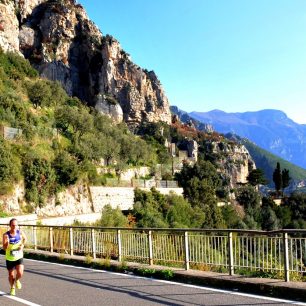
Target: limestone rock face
[(193, 148), (110, 108), (8, 27), (63, 44), (234, 161)]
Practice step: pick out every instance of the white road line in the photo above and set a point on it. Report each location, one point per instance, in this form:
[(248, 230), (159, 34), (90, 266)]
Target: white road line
[(15, 298), (178, 284)]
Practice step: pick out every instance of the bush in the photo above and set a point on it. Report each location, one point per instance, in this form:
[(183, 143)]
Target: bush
[(15, 66), (112, 217), (66, 169), (10, 167), (39, 179), (39, 93)]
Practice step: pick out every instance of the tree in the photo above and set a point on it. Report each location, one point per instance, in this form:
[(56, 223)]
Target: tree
[(277, 178), (39, 178), (257, 177), (59, 95), (297, 205), (269, 219), (66, 169), (77, 120), (285, 178), (40, 93), (249, 198), (200, 182), (149, 208), (112, 217), (201, 170), (180, 212), (281, 178), (231, 217)]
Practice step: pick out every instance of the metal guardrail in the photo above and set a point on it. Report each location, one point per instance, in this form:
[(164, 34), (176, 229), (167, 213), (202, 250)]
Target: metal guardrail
[(281, 254)]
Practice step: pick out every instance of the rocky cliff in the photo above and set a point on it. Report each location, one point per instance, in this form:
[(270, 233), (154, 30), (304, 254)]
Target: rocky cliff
[(63, 44), (233, 160)]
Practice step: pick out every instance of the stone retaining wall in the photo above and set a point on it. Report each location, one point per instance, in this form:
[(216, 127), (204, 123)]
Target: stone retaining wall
[(81, 200), (122, 197)]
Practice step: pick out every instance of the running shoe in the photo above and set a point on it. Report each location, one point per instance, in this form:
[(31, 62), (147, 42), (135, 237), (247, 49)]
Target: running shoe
[(12, 292), (18, 284)]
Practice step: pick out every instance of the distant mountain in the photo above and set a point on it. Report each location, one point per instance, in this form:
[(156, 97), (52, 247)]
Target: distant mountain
[(270, 129), (186, 118)]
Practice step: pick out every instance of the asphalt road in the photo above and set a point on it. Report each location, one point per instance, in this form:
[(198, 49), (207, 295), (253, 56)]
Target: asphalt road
[(56, 285)]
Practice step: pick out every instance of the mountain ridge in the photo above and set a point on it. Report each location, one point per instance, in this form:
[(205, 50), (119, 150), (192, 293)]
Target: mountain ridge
[(270, 129)]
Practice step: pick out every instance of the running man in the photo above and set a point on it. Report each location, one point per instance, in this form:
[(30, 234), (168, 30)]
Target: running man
[(13, 244)]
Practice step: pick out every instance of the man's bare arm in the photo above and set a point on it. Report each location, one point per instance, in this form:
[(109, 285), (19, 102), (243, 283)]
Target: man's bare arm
[(5, 241)]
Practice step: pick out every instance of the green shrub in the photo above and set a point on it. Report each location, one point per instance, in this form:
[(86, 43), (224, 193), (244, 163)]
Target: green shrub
[(112, 217), (165, 274), (88, 260), (10, 167), (39, 179), (40, 93), (148, 272), (15, 66), (66, 169)]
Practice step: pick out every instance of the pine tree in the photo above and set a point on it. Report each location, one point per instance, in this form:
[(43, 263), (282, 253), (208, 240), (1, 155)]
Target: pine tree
[(285, 178), (257, 177), (277, 178)]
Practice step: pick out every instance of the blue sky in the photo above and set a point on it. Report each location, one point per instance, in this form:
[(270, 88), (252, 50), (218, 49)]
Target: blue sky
[(232, 55)]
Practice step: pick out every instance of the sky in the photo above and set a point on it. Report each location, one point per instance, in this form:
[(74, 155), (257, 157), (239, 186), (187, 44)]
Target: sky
[(231, 55)]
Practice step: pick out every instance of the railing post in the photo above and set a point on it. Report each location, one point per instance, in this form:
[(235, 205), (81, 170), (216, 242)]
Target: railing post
[(150, 248), (93, 240), (186, 251), (35, 237), (51, 238), (71, 240), (230, 254), (286, 257), (119, 244)]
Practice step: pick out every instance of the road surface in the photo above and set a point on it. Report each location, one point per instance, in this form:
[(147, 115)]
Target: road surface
[(51, 284)]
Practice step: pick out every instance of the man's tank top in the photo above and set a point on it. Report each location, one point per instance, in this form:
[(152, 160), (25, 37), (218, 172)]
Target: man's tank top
[(12, 253)]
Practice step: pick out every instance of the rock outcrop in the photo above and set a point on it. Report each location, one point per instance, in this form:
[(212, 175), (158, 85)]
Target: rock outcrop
[(233, 160), (9, 27), (63, 44), (77, 200)]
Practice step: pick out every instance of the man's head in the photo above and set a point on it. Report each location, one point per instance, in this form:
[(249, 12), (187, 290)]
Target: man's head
[(13, 223)]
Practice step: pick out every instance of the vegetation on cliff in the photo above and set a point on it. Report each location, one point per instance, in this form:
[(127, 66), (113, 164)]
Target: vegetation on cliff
[(62, 141)]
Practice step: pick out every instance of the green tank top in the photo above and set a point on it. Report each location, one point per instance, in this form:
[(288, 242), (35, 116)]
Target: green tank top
[(12, 253)]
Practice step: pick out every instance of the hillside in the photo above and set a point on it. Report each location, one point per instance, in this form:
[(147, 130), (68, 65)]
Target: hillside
[(49, 141), (270, 129)]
